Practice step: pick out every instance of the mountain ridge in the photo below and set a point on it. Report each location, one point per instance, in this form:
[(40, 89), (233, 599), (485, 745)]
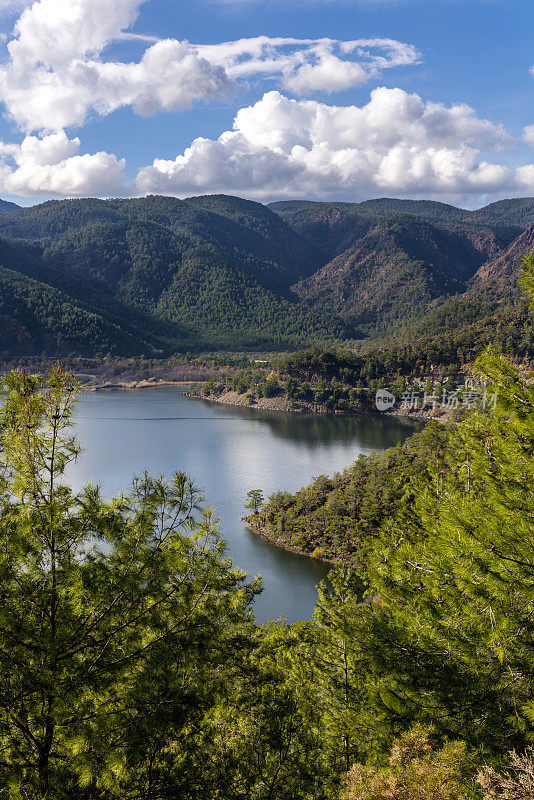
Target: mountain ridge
[(161, 275)]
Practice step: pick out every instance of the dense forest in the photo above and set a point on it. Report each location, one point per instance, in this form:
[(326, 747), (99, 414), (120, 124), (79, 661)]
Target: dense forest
[(336, 519), (131, 665), (434, 358), (157, 276)]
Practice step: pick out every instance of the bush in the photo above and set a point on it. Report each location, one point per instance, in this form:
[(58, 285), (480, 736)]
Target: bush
[(417, 770)]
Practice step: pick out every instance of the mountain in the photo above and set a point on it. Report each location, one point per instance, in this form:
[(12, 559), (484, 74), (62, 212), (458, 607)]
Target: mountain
[(158, 275), (513, 213), (175, 275), (5, 206), (35, 317), (392, 273), (387, 262), (498, 276), (505, 215)]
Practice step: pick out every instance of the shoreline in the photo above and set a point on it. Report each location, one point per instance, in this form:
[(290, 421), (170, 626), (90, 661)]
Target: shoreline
[(277, 403), (282, 405), (283, 545), (135, 385)]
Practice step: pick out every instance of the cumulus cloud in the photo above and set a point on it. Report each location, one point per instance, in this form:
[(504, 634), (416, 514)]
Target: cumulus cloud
[(396, 144), (52, 165), (57, 75)]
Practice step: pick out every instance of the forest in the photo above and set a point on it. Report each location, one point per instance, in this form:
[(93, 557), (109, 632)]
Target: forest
[(407, 283), (131, 665)]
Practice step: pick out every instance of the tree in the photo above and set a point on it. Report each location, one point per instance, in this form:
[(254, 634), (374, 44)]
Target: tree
[(418, 769), (116, 618), (330, 669), (455, 572), (255, 501)]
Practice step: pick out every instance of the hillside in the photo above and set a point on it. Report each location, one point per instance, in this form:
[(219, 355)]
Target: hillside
[(202, 280), (499, 275), (158, 275), (389, 263), (5, 206), (396, 270)]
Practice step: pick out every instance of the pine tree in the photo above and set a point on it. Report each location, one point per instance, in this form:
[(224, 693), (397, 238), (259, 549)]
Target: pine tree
[(116, 618), (331, 669), (255, 500), (455, 575)]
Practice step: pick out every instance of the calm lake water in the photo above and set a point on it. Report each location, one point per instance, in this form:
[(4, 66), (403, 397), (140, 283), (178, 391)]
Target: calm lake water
[(227, 450)]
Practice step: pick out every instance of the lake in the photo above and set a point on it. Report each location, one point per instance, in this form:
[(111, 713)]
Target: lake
[(228, 451)]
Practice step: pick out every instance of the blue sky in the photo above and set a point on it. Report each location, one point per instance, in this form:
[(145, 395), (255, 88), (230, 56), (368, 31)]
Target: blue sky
[(435, 99)]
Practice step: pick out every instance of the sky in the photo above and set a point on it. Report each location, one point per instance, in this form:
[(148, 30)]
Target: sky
[(267, 99)]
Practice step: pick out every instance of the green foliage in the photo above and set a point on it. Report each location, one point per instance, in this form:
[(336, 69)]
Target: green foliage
[(120, 621), (436, 629), (255, 500), (527, 275), (339, 518), (454, 572)]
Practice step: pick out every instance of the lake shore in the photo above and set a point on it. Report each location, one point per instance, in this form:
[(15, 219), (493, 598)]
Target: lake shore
[(126, 386), (277, 403), (282, 544), (281, 404)]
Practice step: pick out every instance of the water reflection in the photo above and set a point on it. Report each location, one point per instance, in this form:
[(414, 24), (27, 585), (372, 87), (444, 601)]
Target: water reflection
[(370, 430), (227, 450)]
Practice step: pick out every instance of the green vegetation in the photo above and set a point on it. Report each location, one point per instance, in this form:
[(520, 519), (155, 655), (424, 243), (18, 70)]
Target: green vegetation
[(157, 276), (131, 665), (339, 518), (171, 276), (255, 500)]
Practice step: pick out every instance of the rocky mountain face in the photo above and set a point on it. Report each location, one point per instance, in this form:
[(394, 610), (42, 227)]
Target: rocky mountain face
[(388, 262)]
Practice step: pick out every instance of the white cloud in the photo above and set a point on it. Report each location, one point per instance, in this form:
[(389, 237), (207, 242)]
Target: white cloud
[(528, 135), (57, 75), (525, 177), (310, 65), (54, 31), (169, 76), (52, 166), (396, 144)]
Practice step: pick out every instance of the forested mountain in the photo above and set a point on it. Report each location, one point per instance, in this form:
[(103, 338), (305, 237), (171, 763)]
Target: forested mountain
[(5, 205), (190, 277), (393, 273), (157, 275), (390, 263)]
